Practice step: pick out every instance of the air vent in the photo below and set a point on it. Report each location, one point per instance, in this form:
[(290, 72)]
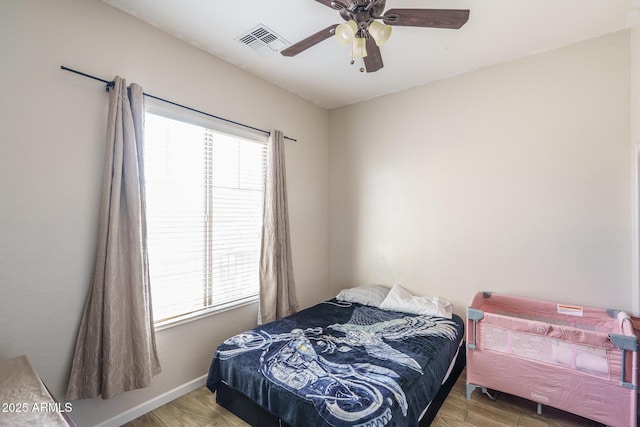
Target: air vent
[(263, 40)]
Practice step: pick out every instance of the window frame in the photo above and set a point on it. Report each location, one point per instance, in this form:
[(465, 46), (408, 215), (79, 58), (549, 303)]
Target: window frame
[(193, 117)]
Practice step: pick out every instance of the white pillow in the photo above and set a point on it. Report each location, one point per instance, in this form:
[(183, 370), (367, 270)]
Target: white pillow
[(364, 294), (399, 299)]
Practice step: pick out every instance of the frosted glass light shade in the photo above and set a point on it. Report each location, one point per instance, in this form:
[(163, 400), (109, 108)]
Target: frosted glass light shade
[(345, 33), (359, 48), (380, 32)]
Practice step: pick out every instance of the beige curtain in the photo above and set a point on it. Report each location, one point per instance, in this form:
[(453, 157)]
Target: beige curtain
[(277, 287), (115, 349)]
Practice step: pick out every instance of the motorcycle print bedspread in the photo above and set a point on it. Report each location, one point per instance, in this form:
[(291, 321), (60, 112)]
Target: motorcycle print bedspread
[(341, 364)]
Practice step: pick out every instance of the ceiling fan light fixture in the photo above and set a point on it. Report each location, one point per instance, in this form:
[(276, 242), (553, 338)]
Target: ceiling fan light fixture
[(380, 32), (368, 26), (345, 33), (359, 48)]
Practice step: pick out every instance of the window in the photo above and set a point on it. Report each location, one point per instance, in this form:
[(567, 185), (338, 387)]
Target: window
[(204, 193)]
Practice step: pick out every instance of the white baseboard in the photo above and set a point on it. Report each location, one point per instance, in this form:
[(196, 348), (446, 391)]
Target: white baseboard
[(154, 403)]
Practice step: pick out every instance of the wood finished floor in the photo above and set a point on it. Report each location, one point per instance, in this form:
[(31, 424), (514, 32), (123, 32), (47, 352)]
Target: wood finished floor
[(199, 409)]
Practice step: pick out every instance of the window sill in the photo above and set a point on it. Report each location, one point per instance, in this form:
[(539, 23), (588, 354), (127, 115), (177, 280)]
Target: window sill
[(159, 326)]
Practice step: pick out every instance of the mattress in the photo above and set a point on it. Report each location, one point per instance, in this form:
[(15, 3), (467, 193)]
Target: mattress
[(341, 364)]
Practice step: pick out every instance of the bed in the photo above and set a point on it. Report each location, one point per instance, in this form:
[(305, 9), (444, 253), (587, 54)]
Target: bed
[(340, 363)]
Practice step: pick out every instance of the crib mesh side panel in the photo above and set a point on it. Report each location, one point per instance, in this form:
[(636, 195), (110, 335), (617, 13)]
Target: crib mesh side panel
[(583, 358)]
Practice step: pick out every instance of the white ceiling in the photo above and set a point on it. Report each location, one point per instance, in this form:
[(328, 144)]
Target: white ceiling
[(497, 31)]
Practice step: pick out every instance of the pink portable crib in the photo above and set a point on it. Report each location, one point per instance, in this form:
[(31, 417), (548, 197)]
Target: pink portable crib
[(582, 360)]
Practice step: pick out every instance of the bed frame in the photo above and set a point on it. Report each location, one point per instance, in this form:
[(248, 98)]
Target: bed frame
[(257, 416)]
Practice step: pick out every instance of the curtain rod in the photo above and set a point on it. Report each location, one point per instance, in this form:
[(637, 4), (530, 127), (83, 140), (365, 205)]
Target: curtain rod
[(110, 84)]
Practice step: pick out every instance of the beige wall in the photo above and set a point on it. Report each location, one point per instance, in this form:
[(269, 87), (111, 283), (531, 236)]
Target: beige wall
[(514, 179), (635, 154), (52, 131)]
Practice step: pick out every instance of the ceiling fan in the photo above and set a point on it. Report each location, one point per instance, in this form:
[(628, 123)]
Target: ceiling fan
[(365, 34)]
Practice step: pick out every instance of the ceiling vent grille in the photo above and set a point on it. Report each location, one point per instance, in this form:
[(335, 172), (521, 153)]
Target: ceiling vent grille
[(263, 40)]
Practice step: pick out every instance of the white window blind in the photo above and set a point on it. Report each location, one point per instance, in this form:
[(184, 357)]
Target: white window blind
[(204, 217)]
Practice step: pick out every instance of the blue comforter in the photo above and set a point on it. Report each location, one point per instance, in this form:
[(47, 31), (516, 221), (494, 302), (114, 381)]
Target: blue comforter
[(341, 364)]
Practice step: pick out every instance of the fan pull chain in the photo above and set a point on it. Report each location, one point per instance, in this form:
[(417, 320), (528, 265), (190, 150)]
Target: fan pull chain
[(351, 54), (362, 69)]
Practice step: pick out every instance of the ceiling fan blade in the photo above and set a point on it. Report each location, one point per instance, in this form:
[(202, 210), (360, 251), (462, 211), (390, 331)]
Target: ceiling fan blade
[(373, 60), (436, 18), (312, 40), (326, 3)]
